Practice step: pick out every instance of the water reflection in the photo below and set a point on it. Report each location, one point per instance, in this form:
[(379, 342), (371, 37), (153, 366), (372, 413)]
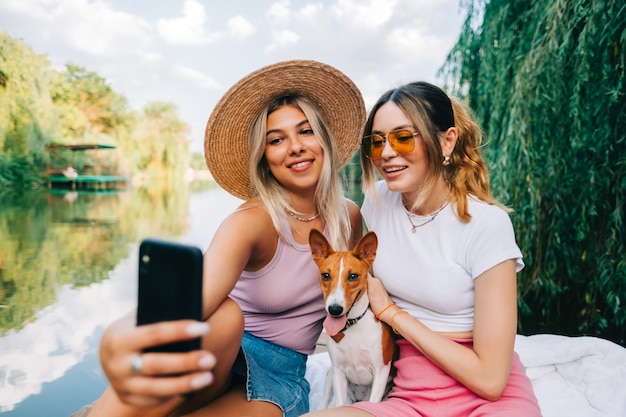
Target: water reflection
[(67, 269)]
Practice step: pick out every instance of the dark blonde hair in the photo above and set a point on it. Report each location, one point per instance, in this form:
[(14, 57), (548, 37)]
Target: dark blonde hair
[(432, 112)]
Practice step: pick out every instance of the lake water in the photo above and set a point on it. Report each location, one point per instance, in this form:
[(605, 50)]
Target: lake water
[(68, 267)]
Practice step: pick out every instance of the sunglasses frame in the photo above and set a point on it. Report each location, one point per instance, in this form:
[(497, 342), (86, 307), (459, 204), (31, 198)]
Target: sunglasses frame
[(392, 139)]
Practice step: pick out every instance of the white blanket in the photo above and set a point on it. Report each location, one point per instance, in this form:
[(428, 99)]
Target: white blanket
[(571, 376)]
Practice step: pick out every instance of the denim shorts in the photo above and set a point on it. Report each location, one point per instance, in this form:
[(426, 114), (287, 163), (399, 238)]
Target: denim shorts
[(275, 374)]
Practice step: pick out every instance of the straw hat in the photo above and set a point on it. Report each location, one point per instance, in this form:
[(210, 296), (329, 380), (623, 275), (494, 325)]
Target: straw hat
[(226, 136)]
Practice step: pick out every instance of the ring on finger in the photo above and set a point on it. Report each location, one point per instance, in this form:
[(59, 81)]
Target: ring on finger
[(135, 365)]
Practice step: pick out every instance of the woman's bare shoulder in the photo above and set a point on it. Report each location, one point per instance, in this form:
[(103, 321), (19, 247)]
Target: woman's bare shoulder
[(248, 229), (252, 209)]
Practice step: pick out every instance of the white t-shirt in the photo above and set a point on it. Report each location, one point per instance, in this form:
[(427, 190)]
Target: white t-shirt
[(430, 273)]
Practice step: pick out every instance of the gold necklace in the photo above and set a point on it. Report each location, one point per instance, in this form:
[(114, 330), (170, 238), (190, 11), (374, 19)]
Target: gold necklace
[(295, 216)]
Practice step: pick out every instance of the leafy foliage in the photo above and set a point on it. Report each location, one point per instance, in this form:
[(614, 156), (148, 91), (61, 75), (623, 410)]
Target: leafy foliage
[(547, 80), (40, 106), (158, 144), (26, 111), (351, 176), (90, 106)]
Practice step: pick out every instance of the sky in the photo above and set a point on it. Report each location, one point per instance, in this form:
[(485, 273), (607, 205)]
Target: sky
[(189, 52)]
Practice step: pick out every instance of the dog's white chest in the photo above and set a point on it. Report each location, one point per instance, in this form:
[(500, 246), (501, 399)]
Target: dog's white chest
[(358, 354)]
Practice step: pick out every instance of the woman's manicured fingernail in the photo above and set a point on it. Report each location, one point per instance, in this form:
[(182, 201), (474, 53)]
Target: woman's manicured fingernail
[(202, 380), (197, 329), (207, 362)]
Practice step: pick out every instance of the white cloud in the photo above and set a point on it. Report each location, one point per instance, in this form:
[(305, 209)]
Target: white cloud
[(36, 8), (93, 28), (198, 78), (152, 56), (310, 12), (190, 28), (370, 14), (283, 38), (279, 12), (240, 28), (185, 30), (409, 46), (103, 32), (343, 29)]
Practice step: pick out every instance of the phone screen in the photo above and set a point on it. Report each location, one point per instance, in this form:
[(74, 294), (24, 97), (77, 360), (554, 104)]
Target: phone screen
[(170, 287)]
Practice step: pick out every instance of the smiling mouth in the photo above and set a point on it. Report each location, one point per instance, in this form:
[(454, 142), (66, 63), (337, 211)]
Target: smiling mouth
[(300, 164), (394, 169)]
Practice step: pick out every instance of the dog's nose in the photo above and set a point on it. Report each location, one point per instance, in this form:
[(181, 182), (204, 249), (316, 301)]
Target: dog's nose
[(335, 310)]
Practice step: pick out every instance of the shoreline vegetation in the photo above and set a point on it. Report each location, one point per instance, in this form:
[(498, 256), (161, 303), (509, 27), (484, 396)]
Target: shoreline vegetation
[(44, 108)]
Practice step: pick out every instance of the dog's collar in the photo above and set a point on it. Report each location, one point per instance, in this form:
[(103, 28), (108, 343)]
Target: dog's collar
[(352, 322), (349, 323)]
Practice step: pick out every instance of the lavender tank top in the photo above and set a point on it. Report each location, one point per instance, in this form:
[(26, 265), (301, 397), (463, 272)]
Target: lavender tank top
[(282, 302)]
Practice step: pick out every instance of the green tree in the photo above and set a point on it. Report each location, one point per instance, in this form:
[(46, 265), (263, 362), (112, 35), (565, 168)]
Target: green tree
[(90, 111), (159, 145), (40, 106), (95, 109), (547, 79), (26, 112)]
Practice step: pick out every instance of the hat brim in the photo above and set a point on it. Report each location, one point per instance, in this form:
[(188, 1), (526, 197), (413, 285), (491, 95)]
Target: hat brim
[(226, 135)]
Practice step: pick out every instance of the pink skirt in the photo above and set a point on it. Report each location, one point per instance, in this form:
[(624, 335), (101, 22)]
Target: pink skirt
[(421, 388)]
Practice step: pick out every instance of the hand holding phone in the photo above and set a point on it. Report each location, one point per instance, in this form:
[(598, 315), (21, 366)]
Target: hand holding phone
[(170, 287)]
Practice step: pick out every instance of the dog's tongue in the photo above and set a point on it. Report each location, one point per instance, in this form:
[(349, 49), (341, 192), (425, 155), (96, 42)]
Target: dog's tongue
[(334, 325)]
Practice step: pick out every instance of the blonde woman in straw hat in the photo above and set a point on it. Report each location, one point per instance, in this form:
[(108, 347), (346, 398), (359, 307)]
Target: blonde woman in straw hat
[(277, 139)]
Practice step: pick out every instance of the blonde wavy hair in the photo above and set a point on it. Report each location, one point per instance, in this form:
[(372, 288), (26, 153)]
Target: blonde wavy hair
[(329, 196), (432, 113)]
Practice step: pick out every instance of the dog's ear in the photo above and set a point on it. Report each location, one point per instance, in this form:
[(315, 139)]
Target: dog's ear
[(366, 248), (320, 248)]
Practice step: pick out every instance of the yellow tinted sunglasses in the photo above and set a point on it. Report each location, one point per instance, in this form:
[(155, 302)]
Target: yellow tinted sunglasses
[(402, 141)]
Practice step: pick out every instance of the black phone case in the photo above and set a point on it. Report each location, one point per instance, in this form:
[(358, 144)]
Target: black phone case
[(170, 287)]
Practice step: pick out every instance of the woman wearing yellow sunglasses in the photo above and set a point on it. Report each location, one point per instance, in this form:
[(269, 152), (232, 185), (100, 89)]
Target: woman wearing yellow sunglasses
[(445, 270)]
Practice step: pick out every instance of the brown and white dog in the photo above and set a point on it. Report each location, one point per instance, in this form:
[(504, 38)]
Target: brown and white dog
[(361, 348)]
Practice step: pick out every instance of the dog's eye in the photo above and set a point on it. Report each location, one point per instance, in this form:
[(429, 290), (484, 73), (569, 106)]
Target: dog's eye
[(325, 276), (353, 277)]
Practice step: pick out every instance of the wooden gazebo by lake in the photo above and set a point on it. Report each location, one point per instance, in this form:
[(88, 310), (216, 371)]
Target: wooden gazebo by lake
[(85, 176)]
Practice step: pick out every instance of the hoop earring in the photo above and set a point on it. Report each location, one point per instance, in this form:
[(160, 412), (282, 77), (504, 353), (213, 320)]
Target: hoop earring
[(446, 161)]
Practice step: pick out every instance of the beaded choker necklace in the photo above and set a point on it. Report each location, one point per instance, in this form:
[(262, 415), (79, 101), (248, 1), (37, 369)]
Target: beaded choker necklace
[(300, 219)]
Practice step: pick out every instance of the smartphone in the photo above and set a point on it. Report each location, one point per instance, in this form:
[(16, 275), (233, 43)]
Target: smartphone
[(170, 287)]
